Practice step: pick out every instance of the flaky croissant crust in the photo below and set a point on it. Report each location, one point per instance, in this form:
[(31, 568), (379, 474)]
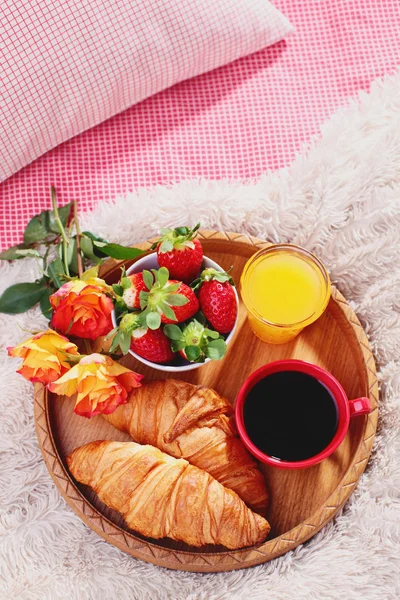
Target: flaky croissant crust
[(160, 496), (197, 424)]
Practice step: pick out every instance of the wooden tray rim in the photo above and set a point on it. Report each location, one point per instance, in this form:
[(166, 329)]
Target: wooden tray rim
[(225, 560)]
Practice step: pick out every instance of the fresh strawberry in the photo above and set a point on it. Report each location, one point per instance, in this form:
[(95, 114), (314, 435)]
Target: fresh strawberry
[(133, 285), (217, 299), (180, 252), (166, 301), (151, 344), (154, 346), (182, 313), (195, 342)]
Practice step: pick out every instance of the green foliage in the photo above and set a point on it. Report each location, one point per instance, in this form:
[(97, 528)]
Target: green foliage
[(192, 353), (117, 251), (173, 332), (21, 297), (56, 272), (216, 349), (176, 238), (153, 320), (51, 229), (45, 305), (44, 226), (20, 251), (148, 279), (196, 341)]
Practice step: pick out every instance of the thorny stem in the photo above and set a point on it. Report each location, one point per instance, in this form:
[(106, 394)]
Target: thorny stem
[(61, 230), (78, 240)]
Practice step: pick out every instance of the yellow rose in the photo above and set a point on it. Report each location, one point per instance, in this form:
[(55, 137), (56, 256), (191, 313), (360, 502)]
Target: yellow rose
[(44, 356), (101, 384)]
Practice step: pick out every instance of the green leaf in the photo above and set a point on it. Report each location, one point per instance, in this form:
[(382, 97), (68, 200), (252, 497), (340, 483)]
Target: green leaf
[(177, 345), (216, 349), (43, 225), (192, 353), (211, 334), (177, 299), (168, 312), (126, 283), (174, 287), (148, 279), (143, 296), (45, 305), (87, 249), (117, 251), (37, 228), (182, 230), (72, 257), (124, 339), (12, 253), (120, 305), (173, 332), (20, 297), (115, 342), (30, 253), (162, 276), (56, 271), (97, 252), (118, 289), (153, 320), (63, 213), (92, 236), (166, 246), (20, 251)]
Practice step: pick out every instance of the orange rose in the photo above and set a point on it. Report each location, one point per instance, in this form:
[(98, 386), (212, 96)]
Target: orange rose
[(44, 356), (101, 383), (82, 310)]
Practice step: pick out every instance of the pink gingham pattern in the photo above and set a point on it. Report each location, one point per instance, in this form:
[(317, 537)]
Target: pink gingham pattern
[(70, 65), (234, 122)]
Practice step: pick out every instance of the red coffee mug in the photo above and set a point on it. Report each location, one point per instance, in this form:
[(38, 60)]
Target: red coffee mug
[(346, 410)]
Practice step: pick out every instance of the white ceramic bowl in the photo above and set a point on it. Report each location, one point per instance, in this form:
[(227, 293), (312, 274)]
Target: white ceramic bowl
[(150, 262)]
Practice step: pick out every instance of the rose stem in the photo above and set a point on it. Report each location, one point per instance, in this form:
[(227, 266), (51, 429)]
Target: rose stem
[(78, 240), (61, 229)]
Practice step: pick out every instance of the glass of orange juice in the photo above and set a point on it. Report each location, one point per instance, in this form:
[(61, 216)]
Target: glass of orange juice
[(284, 288)]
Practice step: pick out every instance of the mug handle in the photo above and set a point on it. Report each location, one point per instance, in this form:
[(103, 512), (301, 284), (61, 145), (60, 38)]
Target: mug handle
[(360, 406)]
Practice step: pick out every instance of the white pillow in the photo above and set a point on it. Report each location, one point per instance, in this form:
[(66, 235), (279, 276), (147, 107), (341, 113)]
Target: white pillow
[(66, 66)]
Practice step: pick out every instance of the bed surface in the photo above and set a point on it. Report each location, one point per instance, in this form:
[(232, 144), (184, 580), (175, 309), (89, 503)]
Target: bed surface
[(235, 122)]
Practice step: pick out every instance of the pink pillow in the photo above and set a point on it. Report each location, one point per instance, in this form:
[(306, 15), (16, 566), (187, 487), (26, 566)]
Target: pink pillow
[(67, 65)]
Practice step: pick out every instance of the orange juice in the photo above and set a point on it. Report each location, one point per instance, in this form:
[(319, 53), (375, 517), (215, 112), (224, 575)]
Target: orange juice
[(284, 288)]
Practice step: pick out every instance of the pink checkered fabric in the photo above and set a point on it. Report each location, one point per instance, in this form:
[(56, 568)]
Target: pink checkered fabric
[(234, 122), (70, 65)]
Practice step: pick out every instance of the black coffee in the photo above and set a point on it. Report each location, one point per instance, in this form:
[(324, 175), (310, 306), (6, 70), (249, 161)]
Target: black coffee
[(290, 416)]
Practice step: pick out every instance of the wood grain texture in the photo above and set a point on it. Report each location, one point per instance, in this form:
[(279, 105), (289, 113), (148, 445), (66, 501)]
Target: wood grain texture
[(302, 501)]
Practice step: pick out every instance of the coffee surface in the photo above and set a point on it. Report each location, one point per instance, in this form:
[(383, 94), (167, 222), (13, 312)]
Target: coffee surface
[(290, 416)]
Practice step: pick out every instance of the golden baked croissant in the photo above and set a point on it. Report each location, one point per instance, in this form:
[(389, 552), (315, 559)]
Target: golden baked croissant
[(193, 422), (161, 496)]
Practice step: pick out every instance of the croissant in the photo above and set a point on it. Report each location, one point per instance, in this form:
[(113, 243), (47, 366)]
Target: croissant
[(161, 496), (193, 422)]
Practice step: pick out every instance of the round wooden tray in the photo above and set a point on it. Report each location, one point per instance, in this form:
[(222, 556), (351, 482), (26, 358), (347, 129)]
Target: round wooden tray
[(303, 500)]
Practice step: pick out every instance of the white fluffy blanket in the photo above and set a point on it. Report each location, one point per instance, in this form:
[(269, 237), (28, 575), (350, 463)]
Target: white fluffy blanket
[(340, 198)]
